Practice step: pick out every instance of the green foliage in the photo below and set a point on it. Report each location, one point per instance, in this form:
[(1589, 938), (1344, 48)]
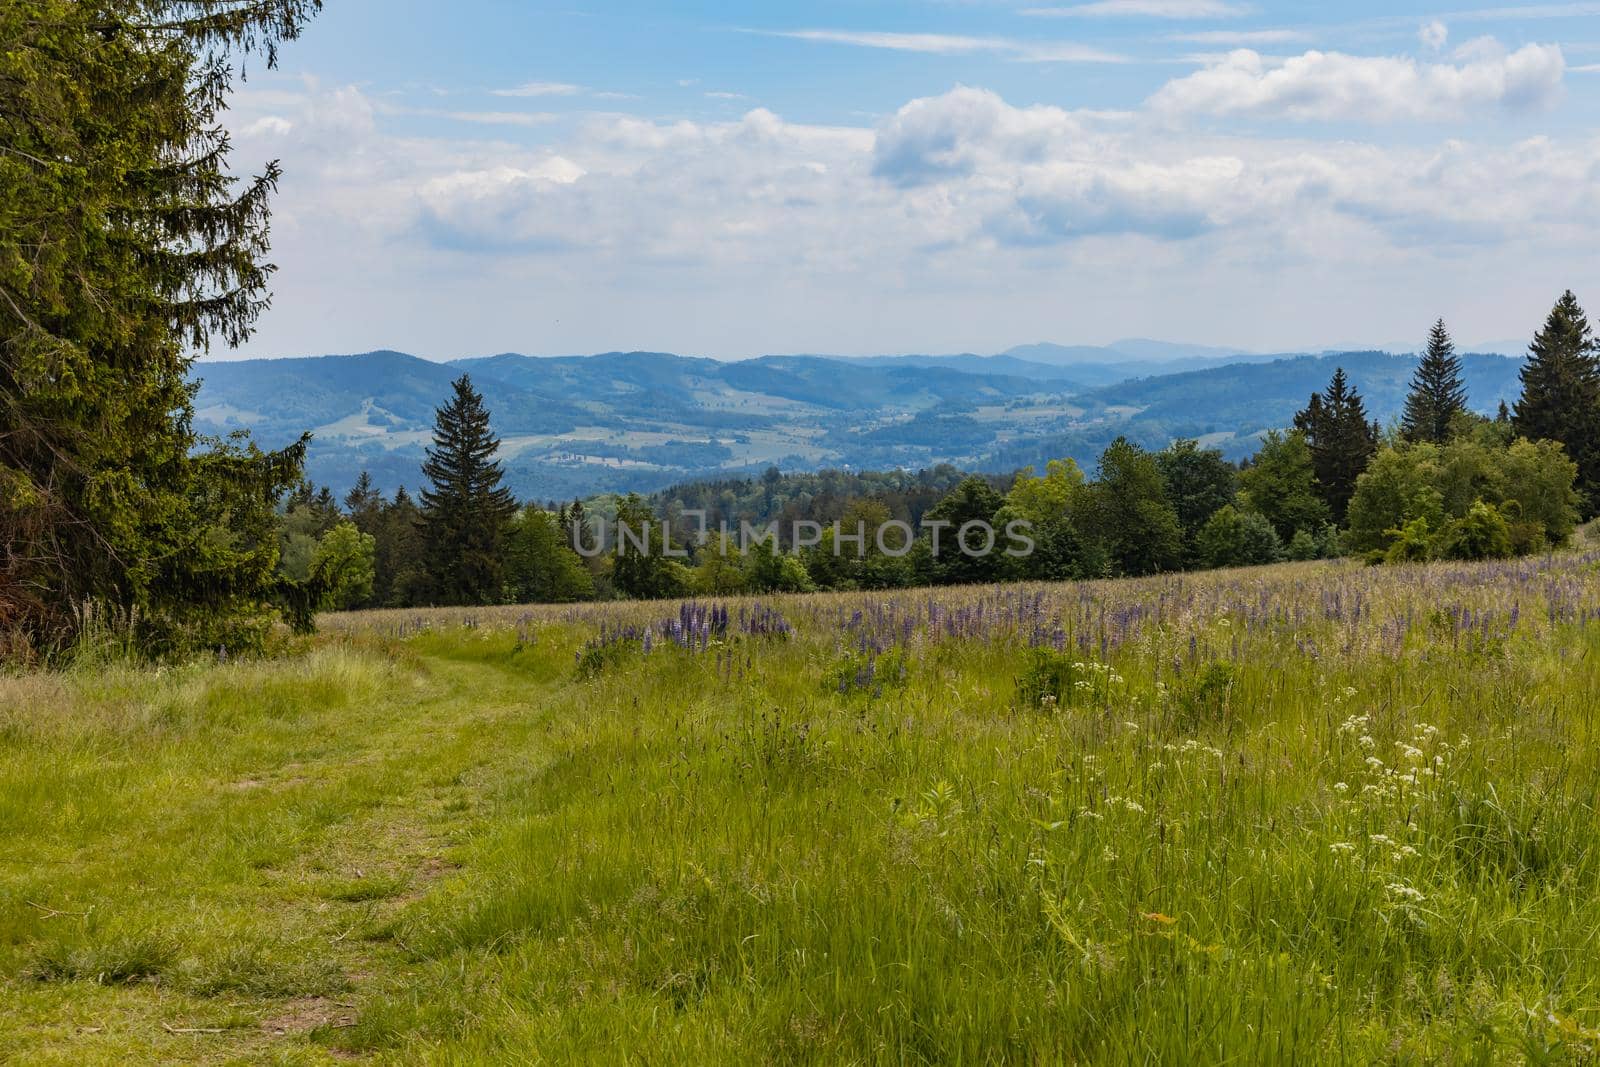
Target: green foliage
[(720, 570), (1129, 512), (1438, 395), (1205, 699), (1482, 533), (1411, 543), (870, 673), (1281, 483), (466, 512), (348, 556), (126, 246), (1052, 680), (540, 565), (1360, 847), (1342, 442), (974, 502), (1561, 392), (1232, 538), (1199, 483), (642, 566), (1529, 486), (1302, 548)]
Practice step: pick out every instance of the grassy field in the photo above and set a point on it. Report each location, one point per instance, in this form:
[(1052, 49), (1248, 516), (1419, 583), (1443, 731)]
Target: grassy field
[(1307, 814)]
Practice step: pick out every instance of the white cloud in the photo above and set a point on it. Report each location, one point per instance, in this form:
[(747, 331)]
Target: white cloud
[(1241, 38), (491, 118), (269, 126), (1332, 86), (959, 221), (953, 45), (540, 89), (1164, 9), (1434, 35)]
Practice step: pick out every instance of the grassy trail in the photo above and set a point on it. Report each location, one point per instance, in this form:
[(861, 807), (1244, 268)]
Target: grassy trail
[(219, 855)]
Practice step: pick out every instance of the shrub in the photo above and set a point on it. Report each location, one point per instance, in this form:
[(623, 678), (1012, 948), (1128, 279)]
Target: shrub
[(1481, 534), (1206, 698), (1232, 538), (1302, 548), (1412, 543)]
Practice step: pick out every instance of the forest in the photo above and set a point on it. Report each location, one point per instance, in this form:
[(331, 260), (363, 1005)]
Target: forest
[(1442, 483)]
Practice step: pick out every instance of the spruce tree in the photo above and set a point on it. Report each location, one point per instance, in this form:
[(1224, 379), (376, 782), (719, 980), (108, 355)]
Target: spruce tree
[(1437, 393), (126, 247), (1341, 440), (364, 503), (1561, 392), (465, 511)]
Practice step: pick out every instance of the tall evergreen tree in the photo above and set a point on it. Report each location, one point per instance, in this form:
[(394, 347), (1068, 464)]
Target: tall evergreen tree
[(1561, 392), (465, 511), (402, 564), (1341, 440), (365, 504), (1437, 392), (126, 247)]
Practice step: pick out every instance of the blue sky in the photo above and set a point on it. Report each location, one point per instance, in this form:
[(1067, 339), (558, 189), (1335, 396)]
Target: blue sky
[(924, 175)]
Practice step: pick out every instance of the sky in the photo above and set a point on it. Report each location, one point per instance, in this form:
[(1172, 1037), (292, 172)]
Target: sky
[(923, 176)]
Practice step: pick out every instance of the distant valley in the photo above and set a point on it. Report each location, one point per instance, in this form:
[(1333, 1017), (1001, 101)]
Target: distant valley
[(580, 425)]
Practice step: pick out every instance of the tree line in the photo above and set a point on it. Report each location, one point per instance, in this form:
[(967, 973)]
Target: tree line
[(1443, 483)]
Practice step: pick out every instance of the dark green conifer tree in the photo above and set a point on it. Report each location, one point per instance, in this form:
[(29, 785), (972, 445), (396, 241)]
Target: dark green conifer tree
[(126, 247), (1437, 394), (364, 504), (1342, 443), (465, 510), (1561, 392)]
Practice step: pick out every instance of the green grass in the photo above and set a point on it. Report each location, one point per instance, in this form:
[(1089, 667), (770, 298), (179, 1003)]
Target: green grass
[(1306, 814)]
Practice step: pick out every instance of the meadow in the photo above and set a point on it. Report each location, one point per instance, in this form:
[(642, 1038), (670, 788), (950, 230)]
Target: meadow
[(1310, 813)]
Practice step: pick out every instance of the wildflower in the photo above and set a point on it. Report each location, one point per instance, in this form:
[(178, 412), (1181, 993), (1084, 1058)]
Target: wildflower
[(1405, 893), (1341, 848), (1381, 839), (1341, 787), (1375, 763)]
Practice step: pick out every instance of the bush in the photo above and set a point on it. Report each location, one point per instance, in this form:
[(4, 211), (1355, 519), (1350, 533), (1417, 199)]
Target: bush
[(1232, 538), (1411, 543), (1481, 534), (1302, 548)]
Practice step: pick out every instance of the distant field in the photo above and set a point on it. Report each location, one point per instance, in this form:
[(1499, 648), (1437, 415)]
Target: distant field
[(1314, 813)]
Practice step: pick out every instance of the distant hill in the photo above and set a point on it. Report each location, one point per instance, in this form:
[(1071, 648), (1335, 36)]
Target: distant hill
[(1231, 406), (619, 421)]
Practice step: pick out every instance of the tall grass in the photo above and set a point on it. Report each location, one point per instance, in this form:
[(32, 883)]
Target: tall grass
[(1306, 814)]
